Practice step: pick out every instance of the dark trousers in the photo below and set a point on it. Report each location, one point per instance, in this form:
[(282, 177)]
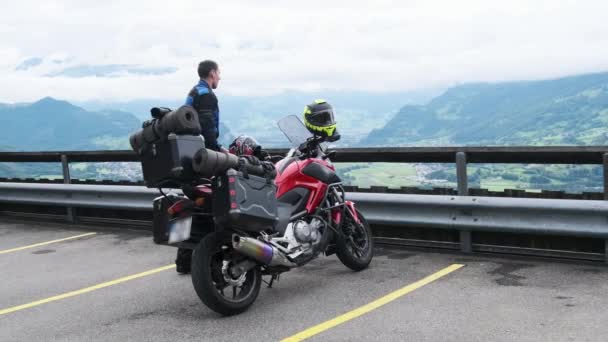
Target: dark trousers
[(209, 130)]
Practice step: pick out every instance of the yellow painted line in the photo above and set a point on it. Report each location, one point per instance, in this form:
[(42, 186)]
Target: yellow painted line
[(317, 329), (45, 243), (85, 290)]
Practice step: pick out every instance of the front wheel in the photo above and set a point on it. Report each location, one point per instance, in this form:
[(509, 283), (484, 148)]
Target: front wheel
[(355, 248), (216, 287)]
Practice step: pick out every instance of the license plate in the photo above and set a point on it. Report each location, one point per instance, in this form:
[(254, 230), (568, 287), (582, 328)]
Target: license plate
[(179, 229)]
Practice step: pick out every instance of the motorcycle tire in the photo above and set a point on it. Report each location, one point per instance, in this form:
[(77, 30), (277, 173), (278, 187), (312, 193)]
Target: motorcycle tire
[(210, 283), (351, 257)]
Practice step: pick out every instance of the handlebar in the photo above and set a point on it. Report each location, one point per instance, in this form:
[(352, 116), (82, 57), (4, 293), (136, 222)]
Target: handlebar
[(311, 145)]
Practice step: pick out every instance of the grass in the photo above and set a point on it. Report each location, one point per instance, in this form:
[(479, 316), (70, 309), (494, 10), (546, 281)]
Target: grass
[(380, 174), (78, 166), (50, 176), (488, 176), (495, 177), (112, 143)]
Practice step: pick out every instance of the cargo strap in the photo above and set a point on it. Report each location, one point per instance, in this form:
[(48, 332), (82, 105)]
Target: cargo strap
[(243, 167)]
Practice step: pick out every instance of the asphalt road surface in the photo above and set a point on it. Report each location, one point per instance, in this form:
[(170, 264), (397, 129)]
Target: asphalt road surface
[(86, 283)]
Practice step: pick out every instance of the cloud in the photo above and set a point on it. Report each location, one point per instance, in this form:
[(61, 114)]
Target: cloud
[(109, 70), (29, 63), (313, 45)]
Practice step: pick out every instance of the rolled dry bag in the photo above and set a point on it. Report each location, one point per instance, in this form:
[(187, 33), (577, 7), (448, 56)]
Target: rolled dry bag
[(159, 112), (183, 120), (208, 163), (137, 141), (150, 135)]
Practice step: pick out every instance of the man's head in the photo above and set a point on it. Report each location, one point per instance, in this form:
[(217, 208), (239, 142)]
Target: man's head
[(210, 72)]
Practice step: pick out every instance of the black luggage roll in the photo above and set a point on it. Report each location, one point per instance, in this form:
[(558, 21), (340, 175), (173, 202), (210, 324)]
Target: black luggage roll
[(157, 129), (208, 163), (149, 133), (183, 120), (137, 141), (159, 112)]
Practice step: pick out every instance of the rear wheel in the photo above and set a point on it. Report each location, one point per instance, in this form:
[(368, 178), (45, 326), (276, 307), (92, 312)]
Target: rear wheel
[(213, 282), (355, 248)]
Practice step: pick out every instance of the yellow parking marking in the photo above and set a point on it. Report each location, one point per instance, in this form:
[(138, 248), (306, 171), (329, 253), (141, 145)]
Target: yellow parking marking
[(45, 243), (85, 290), (317, 329)]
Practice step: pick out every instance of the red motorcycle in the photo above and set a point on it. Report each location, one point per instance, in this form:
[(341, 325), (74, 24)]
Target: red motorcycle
[(243, 226)]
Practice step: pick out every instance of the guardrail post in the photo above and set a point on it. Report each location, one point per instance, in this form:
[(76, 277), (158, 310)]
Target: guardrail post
[(466, 242), (71, 212), (66, 169), (461, 174), (605, 162)]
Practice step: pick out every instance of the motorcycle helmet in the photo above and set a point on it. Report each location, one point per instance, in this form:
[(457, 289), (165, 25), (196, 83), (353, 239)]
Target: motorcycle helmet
[(319, 119), (245, 145)]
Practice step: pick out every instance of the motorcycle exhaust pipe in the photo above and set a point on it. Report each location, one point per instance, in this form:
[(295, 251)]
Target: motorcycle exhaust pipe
[(260, 251)]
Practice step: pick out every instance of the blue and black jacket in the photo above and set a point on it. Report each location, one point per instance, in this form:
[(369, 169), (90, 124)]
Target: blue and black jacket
[(202, 98)]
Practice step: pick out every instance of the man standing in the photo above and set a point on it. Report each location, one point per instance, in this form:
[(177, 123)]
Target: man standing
[(202, 98)]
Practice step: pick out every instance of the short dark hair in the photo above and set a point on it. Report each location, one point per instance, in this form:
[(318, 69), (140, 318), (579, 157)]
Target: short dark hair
[(205, 67)]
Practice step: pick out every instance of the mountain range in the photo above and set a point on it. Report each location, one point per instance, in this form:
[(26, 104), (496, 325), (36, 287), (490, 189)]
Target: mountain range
[(564, 111), (357, 112), (50, 124)]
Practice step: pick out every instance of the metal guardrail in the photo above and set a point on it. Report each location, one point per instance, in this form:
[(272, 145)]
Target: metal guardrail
[(461, 213), (461, 155), (464, 214), (510, 215), (77, 195), (467, 214), (492, 154)]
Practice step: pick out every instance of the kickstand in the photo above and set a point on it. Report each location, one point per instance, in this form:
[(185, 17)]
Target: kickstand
[(272, 278)]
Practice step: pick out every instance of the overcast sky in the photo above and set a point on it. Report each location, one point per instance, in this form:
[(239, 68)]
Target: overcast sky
[(122, 50)]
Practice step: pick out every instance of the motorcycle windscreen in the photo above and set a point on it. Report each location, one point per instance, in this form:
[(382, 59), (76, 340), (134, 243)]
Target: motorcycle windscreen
[(294, 130)]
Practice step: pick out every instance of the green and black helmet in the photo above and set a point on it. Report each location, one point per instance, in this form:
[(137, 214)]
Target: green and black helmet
[(319, 119)]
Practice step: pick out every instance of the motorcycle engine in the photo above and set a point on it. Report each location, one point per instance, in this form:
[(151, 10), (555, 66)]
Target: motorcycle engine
[(306, 232)]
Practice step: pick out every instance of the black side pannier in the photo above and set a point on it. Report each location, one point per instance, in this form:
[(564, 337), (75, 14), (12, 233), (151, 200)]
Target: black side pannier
[(168, 163), (247, 202)]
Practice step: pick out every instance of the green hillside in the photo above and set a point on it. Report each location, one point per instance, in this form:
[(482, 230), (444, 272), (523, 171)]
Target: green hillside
[(566, 111), (51, 124)]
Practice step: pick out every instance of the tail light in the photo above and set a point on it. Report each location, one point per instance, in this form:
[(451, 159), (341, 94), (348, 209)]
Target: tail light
[(200, 201), (179, 207), (203, 191), (202, 194)]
